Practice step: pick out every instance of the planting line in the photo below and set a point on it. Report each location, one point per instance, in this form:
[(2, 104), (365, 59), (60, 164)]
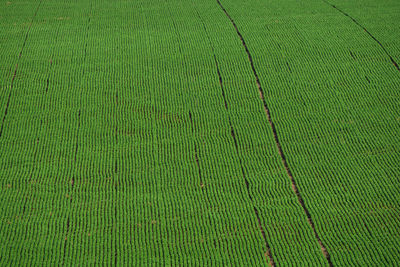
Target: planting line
[(116, 173), (77, 136), (278, 145), (268, 253), (196, 154), (41, 123), (16, 67), (365, 30)]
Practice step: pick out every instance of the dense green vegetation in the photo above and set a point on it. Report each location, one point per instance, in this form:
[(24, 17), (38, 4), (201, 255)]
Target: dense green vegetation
[(149, 132)]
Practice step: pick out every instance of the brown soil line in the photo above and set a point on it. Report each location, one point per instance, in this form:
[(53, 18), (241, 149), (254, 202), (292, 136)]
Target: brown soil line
[(365, 30), (16, 67), (196, 154), (278, 145), (268, 253), (65, 241)]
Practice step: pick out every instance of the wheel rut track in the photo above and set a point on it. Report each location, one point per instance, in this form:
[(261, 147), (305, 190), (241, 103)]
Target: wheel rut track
[(41, 125), (116, 174), (268, 253), (72, 189), (68, 228), (196, 156), (365, 30), (295, 189), (16, 67)]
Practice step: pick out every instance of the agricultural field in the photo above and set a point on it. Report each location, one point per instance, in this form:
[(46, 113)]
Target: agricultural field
[(200, 132)]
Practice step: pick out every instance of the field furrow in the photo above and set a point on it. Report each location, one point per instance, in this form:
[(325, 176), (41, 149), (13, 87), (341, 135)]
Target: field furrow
[(369, 33), (199, 133), (16, 69), (307, 118)]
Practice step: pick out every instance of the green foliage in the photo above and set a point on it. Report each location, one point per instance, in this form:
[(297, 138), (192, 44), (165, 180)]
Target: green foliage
[(118, 148)]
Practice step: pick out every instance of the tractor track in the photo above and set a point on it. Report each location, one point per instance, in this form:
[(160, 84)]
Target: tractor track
[(115, 176), (16, 67), (277, 142), (196, 156), (268, 253), (40, 126), (76, 142), (366, 31)]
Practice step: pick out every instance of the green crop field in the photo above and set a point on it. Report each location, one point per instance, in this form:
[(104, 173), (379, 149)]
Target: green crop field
[(200, 132)]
